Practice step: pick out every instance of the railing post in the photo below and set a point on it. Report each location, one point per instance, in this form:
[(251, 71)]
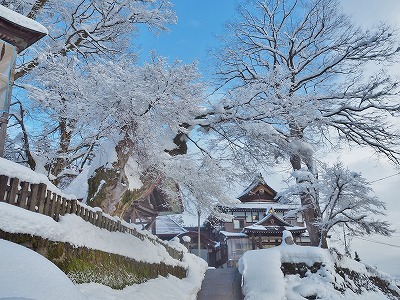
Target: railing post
[(47, 204), (99, 215), (3, 187), (41, 197), (33, 197), (53, 205), (62, 207), (74, 206), (92, 217), (57, 209), (23, 195), (13, 191), (87, 214)]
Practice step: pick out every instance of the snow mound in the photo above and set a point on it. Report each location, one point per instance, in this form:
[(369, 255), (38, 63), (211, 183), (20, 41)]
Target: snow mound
[(24, 274), (298, 272), (76, 231)]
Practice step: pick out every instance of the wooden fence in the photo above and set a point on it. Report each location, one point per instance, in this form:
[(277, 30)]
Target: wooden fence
[(37, 198)]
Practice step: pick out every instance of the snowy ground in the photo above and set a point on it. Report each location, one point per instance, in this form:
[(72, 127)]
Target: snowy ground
[(263, 278), (26, 274)]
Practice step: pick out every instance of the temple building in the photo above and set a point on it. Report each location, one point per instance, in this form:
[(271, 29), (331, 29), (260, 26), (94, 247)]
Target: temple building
[(258, 222)]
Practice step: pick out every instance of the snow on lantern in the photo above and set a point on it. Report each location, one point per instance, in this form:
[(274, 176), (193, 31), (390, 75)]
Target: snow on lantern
[(17, 33)]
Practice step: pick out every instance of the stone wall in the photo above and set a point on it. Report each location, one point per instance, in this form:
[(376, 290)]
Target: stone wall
[(83, 265)]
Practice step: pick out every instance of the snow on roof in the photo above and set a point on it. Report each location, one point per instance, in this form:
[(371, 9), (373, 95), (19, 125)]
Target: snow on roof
[(258, 180), (233, 234), (272, 215), (20, 20), (271, 228), (264, 206), (165, 225), (187, 219), (278, 227)]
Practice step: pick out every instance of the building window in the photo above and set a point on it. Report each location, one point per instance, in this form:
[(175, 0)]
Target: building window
[(239, 214), (238, 224), (248, 217), (255, 217)]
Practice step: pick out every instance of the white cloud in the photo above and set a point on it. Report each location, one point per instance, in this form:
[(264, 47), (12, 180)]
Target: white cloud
[(371, 12)]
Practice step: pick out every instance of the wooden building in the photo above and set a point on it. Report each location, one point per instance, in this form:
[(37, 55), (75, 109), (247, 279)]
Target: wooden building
[(168, 228), (258, 222), (142, 206)]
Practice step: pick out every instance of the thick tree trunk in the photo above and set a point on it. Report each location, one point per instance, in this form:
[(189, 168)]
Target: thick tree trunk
[(311, 211), (108, 186)]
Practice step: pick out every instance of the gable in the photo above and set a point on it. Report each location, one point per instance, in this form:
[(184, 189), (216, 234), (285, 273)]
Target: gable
[(260, 192), (272, 220)]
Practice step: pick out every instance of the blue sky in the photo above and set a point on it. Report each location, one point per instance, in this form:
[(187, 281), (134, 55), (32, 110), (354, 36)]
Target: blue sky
[(189, 40), (194, 34)]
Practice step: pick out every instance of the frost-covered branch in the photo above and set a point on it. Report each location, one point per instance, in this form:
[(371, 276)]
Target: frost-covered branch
[(304, 69), (345, 198)]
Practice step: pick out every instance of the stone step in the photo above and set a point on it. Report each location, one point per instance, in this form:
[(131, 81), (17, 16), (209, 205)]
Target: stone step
[(221, 284)]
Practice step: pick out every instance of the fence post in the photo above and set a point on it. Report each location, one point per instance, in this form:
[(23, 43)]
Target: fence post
[(99, 215), (74, 206), (112, 225), (92, 217), (53, 205), (58, 205), (23, 195), (3, 187), (109, 224), (68, 206), (13, 191), (41, 197), (62, 206), (47, 204), (34, 197)]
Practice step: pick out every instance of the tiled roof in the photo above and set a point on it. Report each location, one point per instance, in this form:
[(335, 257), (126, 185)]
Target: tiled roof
[(166, 226)]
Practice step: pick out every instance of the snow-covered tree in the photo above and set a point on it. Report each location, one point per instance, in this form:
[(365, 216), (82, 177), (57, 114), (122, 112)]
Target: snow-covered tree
[(345, 199), (135, 111), (90, 28), (100, 116), (80, 32), (300, 77)]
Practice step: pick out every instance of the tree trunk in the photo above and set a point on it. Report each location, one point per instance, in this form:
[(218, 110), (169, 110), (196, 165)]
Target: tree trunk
[(311, 211), (107, 186)]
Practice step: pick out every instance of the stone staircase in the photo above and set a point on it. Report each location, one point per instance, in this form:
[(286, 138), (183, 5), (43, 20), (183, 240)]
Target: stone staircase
[(221, 284)]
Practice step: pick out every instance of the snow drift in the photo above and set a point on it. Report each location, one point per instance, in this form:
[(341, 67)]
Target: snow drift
[(301, 272)]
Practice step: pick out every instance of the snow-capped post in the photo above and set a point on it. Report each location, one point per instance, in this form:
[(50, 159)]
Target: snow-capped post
[(17, 33), (287, 238), (186, 240)]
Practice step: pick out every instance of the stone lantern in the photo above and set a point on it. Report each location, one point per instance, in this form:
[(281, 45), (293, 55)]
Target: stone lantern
[(17, 33)]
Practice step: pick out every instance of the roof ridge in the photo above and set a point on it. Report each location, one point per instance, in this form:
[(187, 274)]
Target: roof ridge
[(272, 214)]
